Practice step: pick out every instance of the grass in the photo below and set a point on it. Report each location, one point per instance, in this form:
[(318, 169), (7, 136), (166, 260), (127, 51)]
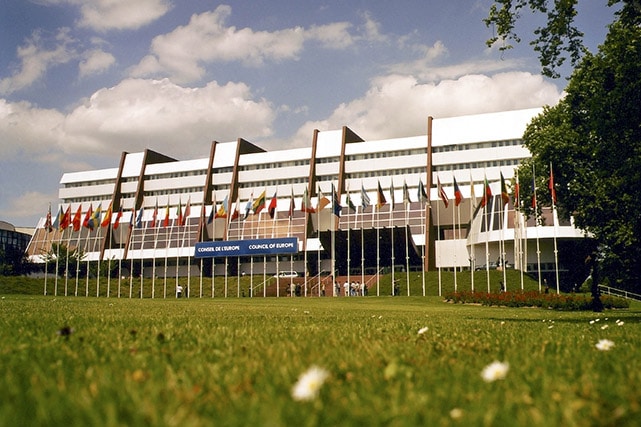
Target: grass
[(234, 361), (240, 286)]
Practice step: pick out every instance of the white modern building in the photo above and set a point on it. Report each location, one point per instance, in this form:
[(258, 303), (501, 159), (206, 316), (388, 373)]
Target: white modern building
[(155, 210)]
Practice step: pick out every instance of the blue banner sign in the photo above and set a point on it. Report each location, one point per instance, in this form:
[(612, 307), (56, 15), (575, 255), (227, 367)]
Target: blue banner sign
[(284, 245)]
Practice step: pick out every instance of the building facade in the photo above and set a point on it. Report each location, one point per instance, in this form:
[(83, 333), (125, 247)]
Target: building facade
[(355, 206)]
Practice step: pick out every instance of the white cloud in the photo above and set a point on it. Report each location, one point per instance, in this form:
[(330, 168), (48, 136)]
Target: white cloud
[(398, 105), (180, 121), (28, 131), (36, 58), (96, 61), (104, 15), (28, 204), (134, 115), (183, 52)]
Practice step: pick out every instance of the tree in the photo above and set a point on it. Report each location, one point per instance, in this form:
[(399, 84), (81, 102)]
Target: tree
[(560, 37), (14, 262), (593, 139)]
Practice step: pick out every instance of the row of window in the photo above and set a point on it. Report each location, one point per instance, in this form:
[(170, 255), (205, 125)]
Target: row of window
[(476, 165), (477, 145)]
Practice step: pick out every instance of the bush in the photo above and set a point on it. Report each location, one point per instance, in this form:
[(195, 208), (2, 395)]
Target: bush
[(565, 302)]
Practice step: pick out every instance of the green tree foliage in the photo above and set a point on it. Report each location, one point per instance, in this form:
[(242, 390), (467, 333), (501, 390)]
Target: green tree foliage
[(14, 262), (559, 38), (593, 139)]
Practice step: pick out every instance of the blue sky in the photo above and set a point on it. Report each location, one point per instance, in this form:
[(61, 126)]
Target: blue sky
[(83, 80)]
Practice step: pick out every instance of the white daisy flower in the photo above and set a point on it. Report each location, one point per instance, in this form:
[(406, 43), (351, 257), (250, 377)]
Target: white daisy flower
[(309, 384), (495, 371), (604, 345)]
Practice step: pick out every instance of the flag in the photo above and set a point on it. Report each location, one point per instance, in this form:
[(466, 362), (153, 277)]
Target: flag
[(517, 190), (132, 217), (65, 221), (487, 193), (336, 203), (236, 213), (211, 216), (365, 202), (441, 192), (458, 196), (77, 219), (422, 194), (187, 212), (533, 193), (406, 195), (248, 206), (350, 203), (94, 220), (222, 211), (56, 221), (117, 221), (551, 186), (179, 212), (139, 218), (291, 204), (48, 225), (154, 215), (272, 206), (504, 195), (322, 201), (306, 205), (107, 219), (472, 192), (259, 203), (380, 197), (165, 221), (85, 222)]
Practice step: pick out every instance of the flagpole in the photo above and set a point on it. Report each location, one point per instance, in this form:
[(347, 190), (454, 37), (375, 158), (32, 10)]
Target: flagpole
[(55, 283), (470, 233), (391, 225), (438, 234), (67, 257), (167, 225), (153, 266), (43, 248), (556, 222), (78, 246), (536, 224), (455, 238), (94, 248), (406, 206)]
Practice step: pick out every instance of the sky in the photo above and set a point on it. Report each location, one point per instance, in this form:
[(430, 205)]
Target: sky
[(81, 81)]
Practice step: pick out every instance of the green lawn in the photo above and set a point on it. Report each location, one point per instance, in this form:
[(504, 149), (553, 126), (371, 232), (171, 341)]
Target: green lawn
[(234, 361)]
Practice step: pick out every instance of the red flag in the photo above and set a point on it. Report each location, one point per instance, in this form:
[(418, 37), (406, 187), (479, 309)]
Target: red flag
[(65, 221), (85, 222), (487, 193), (551, 186), (272, 206), (441, 192), (236, 213), (154, 215), (118, 216), (458, 196), (48, 224), (185, 215), (77, 219)]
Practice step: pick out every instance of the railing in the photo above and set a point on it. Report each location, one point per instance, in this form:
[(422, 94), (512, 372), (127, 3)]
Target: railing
[(619, 292)]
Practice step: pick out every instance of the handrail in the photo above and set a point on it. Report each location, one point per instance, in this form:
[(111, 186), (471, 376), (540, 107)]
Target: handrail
[(619, 292)]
